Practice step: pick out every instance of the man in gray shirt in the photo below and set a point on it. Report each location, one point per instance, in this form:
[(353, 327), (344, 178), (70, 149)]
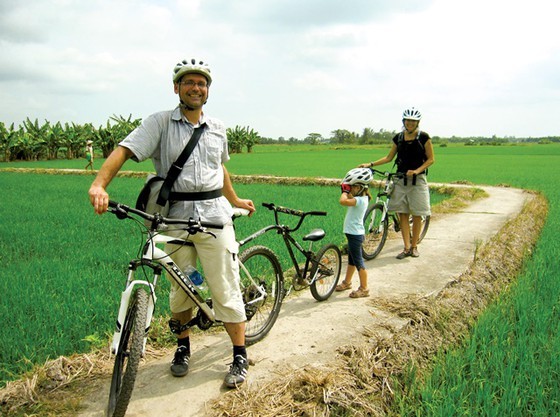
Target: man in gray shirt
[(162, 137)]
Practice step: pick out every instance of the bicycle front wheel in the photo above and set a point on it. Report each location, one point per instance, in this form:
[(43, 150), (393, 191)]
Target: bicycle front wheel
[(424, 228), (128, 354), (328, 272), (376, 231), (262, 286), (425, 225)]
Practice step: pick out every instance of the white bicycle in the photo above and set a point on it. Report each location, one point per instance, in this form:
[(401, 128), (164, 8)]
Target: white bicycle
[(378, 219), (261, 286)]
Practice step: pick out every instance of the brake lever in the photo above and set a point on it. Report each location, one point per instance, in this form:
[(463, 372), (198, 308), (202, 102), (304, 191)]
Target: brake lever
[(193, 230), (119, 212), (209, 233)]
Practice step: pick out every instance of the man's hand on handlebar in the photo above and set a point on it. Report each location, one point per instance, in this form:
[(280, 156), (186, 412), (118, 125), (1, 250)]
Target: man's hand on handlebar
[(246, 204), (98, 198)]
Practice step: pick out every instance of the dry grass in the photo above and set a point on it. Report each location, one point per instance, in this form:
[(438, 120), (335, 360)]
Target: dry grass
[(368, 374), (46, 387)]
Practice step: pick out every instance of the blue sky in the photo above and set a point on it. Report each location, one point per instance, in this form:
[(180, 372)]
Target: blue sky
[(289, 67)]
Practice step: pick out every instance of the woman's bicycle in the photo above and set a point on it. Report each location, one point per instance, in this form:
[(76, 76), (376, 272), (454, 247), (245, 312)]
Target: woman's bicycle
[(321, 269), (378, 220), (262, 290)]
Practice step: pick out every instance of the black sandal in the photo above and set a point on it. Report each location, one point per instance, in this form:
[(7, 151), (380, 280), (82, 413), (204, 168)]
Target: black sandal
[(404, 253)]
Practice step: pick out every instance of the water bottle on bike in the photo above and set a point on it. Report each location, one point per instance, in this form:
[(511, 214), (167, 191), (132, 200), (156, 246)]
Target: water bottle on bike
[(195, 276)]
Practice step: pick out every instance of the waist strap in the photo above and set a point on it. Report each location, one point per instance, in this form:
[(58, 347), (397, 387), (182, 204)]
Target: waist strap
[(405, 178), (204, 195)]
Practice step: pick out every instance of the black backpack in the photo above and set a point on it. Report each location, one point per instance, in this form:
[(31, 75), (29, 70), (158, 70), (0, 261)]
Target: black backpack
[(400, 140)]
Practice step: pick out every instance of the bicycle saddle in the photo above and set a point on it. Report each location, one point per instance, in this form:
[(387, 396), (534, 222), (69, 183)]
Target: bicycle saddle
[(315, 235)]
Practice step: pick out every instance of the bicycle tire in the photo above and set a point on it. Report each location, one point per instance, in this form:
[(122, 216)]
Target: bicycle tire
[(376, 231), (425, 225), (261, 266), (424, 230), (128, 355), (330, 265)]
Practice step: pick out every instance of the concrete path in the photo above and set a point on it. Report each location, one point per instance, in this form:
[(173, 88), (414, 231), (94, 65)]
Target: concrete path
[(308, 332)]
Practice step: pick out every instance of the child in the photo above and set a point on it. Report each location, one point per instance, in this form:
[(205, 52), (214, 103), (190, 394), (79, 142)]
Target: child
[(355, 196)]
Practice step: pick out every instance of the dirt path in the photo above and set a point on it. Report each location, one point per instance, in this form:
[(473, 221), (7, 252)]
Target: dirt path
[(308, 332)]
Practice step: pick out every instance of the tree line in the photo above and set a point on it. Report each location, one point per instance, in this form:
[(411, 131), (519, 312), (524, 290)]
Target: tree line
[(32, 140)]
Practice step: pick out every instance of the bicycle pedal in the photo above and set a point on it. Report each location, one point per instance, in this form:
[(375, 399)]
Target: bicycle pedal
[(299, 284)]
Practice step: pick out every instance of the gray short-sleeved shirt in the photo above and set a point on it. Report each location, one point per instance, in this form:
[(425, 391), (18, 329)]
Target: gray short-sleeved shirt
[(162, 137)]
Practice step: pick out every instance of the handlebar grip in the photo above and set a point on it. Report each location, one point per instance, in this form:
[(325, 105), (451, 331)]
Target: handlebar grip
[(287, 210), (212, 225), (269, 206), (317, 213)]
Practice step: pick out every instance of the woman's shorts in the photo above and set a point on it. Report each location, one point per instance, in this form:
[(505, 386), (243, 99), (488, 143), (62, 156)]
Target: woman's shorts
[(411, 199)]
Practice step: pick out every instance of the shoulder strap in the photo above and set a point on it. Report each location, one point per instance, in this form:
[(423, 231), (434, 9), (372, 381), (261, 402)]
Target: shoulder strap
[(419, 141), (177, 166)]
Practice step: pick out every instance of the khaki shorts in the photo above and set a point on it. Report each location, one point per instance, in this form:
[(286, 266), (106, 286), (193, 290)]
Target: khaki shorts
[(411, 199), (219, 259)]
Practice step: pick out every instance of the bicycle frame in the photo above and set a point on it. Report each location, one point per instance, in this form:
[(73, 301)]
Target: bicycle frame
[(386, 192), (157, 260), (289, 241)]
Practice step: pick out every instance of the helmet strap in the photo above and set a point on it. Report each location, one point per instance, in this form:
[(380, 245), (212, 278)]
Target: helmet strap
[(184, 106)]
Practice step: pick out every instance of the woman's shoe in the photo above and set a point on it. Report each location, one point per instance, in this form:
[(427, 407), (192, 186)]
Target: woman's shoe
[(406, 252), (414, 252)]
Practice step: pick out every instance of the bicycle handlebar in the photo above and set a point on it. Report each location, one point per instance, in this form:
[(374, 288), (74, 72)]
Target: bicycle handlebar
[(193, 226), (386, 174), (293, 212)]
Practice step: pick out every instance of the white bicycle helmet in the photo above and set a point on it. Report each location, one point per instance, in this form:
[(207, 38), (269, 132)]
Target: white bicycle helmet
[(189, 66), (412, 114), (362, 176)]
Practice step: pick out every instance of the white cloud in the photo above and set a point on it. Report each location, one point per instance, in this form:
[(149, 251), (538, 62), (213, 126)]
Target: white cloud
[(287, 67)]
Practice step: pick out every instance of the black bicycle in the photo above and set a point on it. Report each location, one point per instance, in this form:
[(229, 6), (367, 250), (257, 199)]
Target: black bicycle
[(320, 271), (378, 220)]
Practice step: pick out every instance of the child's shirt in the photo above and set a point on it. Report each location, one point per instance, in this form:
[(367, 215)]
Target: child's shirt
[(354, 220)]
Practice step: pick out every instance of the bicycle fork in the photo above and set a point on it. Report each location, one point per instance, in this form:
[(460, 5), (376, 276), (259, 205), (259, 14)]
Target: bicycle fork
[(131, 286)]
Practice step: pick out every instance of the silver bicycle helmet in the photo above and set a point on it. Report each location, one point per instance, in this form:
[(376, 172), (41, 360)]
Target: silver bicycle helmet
[(189, 66), (362, 176), (412, 114)]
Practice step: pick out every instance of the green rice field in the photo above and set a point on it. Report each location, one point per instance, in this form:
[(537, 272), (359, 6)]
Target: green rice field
[(63, 269)]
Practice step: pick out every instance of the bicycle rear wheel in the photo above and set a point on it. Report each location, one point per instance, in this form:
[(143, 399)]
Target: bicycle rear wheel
[(330, 264), (128, 354), (260, 272), (376, 231)]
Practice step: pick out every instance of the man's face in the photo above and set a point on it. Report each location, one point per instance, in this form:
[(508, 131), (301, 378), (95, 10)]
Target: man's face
[(192, 90)]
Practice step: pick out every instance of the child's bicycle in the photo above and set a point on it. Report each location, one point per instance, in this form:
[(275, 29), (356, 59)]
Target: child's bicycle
[(378, 219), (262, 292), (321, 269)]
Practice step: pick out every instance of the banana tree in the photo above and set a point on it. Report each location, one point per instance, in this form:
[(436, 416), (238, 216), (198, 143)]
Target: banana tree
[(35, 139), (251, 138), (236, 139), (8, 138), (54, 140)]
